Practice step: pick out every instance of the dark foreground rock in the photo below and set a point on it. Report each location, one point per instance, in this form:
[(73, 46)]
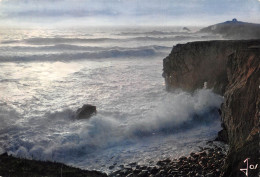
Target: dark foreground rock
[(230, 68), (206, 163), (86, 111), (16, 167)]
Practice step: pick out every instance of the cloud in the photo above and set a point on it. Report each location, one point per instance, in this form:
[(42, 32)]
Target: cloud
[(125, 11)]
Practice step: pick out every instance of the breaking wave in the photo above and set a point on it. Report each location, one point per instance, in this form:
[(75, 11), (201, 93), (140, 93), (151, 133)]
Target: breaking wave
[(152, 33), (70, 47), (115, 53), (46, 41), (178, 112)]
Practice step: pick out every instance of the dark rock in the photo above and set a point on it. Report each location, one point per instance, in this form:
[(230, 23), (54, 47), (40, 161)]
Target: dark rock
[(183, 158), (143, 173), (222, 136), (230, 68), (132, 164), (16, 167), (185, 29), (160, 163), (111, 167), (161, 172), (143, 167), (130, 175), (136, 171), (123, 172), (137, 166), (203, 154), (154, 171), (86, 111), (210, 175), (196, 60), (128, 168)]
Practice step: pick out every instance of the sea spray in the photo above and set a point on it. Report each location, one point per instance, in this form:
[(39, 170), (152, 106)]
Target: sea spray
[(174, 113), (46, 77)]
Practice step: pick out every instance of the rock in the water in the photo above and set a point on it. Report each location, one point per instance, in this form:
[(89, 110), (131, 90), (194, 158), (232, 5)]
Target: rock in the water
[(185, 29), (86, 111)]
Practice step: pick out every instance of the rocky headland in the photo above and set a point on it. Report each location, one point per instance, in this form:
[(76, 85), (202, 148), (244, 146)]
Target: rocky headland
[(234, 29), (232, 69)]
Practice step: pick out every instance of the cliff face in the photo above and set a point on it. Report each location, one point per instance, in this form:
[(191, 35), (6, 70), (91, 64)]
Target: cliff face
[(190, 65), (231, 68), (241, 110)]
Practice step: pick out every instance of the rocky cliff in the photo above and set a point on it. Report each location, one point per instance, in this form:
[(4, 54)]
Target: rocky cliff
[(230, 68)]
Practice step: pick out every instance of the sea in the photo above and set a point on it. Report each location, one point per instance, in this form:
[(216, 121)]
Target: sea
[(47, 74)]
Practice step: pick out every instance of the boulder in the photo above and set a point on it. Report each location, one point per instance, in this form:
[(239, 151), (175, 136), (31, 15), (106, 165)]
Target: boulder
[(86, 111), (185, 29)]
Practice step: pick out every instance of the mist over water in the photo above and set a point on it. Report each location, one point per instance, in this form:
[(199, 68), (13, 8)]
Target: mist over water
[(47, 75)]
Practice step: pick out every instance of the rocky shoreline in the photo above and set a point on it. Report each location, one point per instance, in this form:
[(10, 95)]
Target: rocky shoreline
[(16, 167), (207, 162)]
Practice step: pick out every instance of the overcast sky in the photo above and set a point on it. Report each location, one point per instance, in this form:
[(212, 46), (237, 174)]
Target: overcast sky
[(126, 12)]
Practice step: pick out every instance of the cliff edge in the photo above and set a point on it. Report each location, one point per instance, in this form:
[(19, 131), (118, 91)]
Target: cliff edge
[(232, 69)]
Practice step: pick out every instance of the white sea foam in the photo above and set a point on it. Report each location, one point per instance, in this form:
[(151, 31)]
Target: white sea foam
[(137, 119)]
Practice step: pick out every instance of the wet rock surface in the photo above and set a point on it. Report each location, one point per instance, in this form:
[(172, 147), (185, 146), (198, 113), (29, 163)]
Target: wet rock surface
[(193, 65), (86, 111), (17, 167), (232, 69), (205, 163), (241, 111)]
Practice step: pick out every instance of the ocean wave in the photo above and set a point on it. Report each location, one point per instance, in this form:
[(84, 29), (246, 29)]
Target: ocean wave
[(178, 112), (66, 40), (82, 55), (46, 41), (151, 33), (71, 47)]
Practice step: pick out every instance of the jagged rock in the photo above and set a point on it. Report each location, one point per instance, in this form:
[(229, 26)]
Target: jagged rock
[(130, 175), (86, 111), (190, 65), (111, 167), (241, 110), (185, 29), (230, 68)]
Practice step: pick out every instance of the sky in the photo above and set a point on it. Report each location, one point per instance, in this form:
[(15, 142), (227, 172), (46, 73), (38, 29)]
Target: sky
[(126, 12)]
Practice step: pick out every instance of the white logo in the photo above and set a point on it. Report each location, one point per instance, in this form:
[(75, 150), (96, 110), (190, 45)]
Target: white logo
[(251, 167)]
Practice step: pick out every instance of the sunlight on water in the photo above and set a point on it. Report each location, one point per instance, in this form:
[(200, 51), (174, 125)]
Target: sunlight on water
[(46, 75)]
